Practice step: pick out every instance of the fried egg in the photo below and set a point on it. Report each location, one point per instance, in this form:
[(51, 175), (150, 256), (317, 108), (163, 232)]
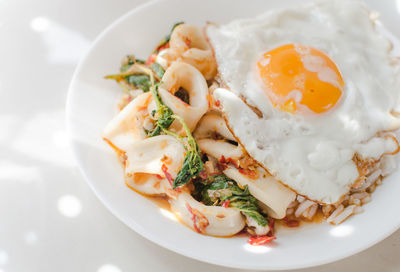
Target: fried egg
[(308, 88)]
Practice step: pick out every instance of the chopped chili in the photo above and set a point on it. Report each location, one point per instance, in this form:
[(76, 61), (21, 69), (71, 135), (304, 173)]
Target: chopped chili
[(260, 240), (168, 176), (250, 173), (162, 47), (225, 204), (198, 219), (188, 42), (151, 59)]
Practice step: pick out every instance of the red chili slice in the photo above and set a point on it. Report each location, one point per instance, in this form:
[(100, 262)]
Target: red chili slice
[(193, 217), (260, 240), (162, 47), (168, 176), (251, 174), (225, 204), (188, 42), (234, 162), (224, 161), (151, 59), (221, 164), (197, 218)]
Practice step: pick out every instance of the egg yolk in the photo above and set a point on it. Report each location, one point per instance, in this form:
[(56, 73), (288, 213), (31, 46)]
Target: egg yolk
[(298, 78)]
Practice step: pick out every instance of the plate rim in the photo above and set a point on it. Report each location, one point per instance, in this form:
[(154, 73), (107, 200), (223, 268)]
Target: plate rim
[(137, 227)]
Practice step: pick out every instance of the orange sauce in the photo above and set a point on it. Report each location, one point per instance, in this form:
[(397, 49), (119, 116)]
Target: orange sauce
[(318, 218), (160, 201)]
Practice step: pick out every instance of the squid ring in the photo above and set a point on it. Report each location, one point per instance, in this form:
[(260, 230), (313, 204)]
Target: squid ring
[(127, 127), (213, 123), (183, 75), (189, 45), (210, 220)]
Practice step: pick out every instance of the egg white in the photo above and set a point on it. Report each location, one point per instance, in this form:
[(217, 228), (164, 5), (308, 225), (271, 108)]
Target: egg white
[(311, 153)]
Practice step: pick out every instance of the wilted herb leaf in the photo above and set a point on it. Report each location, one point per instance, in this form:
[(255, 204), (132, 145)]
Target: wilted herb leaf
[(222, 188), (158, 70), (139, 81)]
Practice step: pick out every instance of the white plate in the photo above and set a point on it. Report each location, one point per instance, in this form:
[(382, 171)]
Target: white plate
[(92, 103)]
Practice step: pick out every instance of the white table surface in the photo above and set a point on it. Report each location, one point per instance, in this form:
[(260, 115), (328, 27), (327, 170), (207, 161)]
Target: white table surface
[(49, 218)]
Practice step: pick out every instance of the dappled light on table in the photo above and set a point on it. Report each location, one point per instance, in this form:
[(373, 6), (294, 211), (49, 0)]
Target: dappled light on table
[(69, 206)]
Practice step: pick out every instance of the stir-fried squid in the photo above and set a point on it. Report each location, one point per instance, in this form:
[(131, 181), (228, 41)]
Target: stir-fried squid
[(173, 142), (160, 156)]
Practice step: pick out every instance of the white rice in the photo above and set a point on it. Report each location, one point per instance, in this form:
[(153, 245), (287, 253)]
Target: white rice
[(371, 188), (355, 201), (293, 204), (335, 213), (300, 198), (351, 204), (327, 209), (359, 196), (343, 215), (366, 200), (358, 210), (303, 207), (369, 180), (309, 214), (289, 211), (388, 165)]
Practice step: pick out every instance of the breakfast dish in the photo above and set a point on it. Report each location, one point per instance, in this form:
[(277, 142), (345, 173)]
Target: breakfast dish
[(281, 117)]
